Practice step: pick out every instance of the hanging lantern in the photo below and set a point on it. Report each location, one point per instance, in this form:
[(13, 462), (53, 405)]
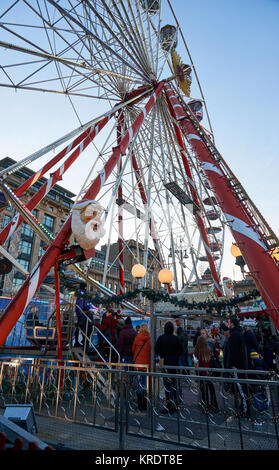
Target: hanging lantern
[(150, 6), (239, 260), (235, 251), (138, 271), (168, 37), (165, 276)]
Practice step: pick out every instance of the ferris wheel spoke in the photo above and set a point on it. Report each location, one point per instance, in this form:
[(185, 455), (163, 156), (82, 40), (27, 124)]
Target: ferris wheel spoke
[(98, 52), (98, 39), (132, 23), (194, 258), (125, 32)]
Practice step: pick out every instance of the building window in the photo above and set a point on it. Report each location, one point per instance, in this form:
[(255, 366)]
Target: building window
[(25, 247), (41, 249), (49, 222), (24, 263), (17, 282), (27, 230)]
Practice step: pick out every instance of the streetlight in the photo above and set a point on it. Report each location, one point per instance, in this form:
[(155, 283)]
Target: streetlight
[(181, 253), (165, 276), (239, 260), (138, 271)]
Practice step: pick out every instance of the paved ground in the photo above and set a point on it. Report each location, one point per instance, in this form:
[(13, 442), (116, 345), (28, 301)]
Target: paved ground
[(71, 436)]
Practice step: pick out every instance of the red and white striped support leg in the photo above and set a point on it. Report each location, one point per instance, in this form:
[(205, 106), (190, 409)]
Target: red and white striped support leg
[(258, 259), (120, 213), (178, 113)]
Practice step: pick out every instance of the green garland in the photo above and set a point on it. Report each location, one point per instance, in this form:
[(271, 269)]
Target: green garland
[(220, 306)]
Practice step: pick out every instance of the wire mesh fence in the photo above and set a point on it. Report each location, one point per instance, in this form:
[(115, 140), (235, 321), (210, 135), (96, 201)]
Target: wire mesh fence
[(236, 410)]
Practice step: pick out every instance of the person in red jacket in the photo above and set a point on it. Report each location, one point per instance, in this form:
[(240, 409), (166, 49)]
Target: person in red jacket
[(109, 329), (108, 326), (201, 357), (141, 355)]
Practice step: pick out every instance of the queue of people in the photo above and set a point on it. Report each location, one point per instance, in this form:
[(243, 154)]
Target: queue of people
[(240, 348)]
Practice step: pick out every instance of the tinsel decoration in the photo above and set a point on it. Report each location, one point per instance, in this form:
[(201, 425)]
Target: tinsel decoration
[(223, 306)]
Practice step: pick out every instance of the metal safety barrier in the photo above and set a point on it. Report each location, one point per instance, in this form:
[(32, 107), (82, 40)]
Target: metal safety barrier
[(229, 409)]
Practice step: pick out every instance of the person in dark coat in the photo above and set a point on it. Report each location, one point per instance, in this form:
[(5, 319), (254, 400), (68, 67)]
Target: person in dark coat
[(197, 334), (125, 341), (81, 305), (169, 348), (235, 356), (235, 351), (268, 349), (183, 338)]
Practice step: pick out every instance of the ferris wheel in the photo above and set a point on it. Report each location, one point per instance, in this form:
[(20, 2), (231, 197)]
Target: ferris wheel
[(117, 63)]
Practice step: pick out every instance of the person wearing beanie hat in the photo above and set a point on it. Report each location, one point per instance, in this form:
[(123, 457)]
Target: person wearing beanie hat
[(125, 341)]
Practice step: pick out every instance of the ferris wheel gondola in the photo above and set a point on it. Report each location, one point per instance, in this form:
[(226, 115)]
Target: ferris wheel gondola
[(196, 107)]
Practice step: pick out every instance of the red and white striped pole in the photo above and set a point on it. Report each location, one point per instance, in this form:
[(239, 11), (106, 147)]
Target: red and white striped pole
[(257, 257), (120, 213), (32, 180), (177, 111), (26, 292), (151, 224), (58, 312)]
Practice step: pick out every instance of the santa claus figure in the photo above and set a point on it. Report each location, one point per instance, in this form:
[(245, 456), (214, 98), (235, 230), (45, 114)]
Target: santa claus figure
[(86, 223), (228, 287)]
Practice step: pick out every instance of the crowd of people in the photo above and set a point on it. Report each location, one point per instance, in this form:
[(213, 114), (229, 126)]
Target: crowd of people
[(230, 347)]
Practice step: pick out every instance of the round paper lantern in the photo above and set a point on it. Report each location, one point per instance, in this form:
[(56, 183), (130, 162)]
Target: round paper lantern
[(235, 251), (138, 271), (165, 276)]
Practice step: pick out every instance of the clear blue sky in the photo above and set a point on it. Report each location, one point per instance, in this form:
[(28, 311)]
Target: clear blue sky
[(234, 46)]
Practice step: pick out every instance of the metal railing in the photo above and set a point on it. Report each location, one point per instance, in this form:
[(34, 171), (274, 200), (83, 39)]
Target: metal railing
[(165, 406), (87, 340)]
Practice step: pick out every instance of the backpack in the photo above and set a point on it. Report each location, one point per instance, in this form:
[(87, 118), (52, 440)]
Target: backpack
[(260, 401)]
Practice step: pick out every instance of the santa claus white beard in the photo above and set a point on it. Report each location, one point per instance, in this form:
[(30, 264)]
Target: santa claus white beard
[(87, 235)]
